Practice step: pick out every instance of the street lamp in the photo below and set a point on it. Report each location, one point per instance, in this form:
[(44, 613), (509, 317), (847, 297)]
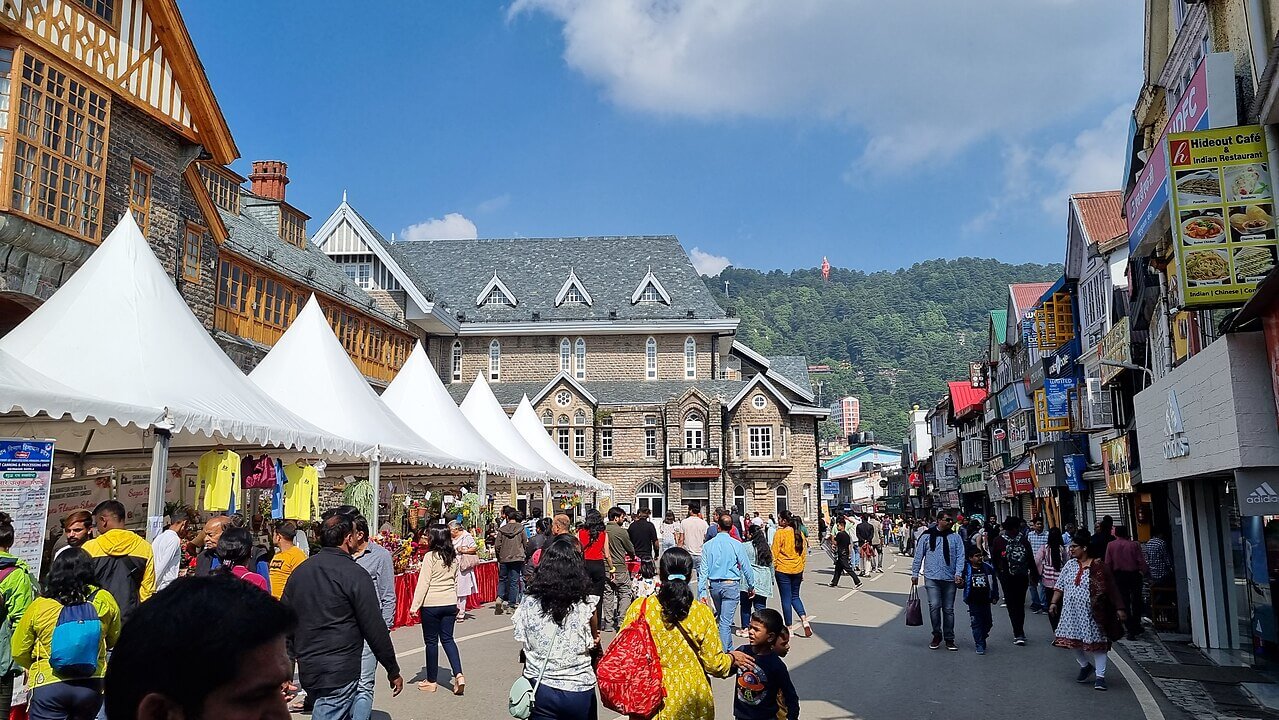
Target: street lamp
[(1130, 366)]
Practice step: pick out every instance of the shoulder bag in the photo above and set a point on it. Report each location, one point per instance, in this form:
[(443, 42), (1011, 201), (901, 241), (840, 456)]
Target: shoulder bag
[(523, 693), (630, 674)]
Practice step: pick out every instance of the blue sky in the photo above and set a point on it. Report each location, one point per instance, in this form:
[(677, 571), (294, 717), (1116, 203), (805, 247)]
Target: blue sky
[(765, 133)]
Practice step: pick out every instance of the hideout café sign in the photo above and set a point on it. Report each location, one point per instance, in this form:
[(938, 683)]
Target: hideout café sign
[(1222, 214)]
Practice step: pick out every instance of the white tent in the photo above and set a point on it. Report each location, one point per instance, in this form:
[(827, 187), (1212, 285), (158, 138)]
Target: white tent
[(534, 432), (484, 412), (31, 393), (418, 398)]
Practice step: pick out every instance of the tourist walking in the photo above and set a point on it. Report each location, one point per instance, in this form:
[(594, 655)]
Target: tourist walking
[(557, 627), (122, 561), (939, 553), (618, 592), (1015, 562), (287, 558), (337, 611), (541, 537), (166, 549), (1126, 560), (765, 692), (725, 574), (468, 557), (76, 528), (760, 556), (435, 602), (1092, 610), (235, 550), (511, 549), (595, 551), (643, 536), (1038, 538), (69, 688), (17, 590), (670, 533), (1049, 560), (790, 555), (877, 545), (981, 589), (1159, 560), (687, 642), (378, 563), (843, 554), (693, 529), (865, 534)]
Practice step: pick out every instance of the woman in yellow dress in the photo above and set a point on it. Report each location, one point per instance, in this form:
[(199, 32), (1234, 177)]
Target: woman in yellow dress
[(687, 640)]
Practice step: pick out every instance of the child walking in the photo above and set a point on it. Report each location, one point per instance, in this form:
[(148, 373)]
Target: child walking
[(765, 692), (981, 590), (645, 582)]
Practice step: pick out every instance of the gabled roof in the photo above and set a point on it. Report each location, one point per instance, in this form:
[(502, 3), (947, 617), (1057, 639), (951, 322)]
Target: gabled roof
[(564, 377), (495, 284), (650, 280), (1026, 295), (759, 381), (999, 325), (857, 452), (572, 281), (788, 375), (964, 397), (453, 271), (1100, 215)]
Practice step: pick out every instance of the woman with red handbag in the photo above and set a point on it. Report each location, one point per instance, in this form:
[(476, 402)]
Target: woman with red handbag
[(1091, 607)]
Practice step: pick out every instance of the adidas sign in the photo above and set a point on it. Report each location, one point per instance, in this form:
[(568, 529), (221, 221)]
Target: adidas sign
[(1263, 494)]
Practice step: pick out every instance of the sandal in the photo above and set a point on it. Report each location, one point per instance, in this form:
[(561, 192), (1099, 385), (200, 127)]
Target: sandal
[(459, 684), (428, 686), (808, 630)]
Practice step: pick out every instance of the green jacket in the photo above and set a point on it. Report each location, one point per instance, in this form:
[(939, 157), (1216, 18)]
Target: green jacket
[(18, 588)]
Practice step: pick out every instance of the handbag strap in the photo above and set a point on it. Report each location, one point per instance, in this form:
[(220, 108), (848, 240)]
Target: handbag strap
[(550, 653)]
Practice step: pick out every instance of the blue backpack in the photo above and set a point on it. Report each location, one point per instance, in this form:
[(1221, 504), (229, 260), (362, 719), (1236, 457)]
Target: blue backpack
[(73, 651)]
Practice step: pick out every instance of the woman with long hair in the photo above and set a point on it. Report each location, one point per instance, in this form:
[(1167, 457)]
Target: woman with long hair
[(1049, 560), (557, 626), (761, 557), (235, 551), (435, 600), (68, 585), (464, 543), (668, 533), (594, 549), (687, 640), (1091, 607), (790, 555)]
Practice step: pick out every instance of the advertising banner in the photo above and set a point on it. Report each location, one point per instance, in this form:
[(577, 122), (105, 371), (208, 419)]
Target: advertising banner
[(830, 488), (1057, 396), (1022, 482), (72, 494), (1222, 214), (1074, 467), (1116, 346), (26, 469), (1114, 459), (1012, 400)]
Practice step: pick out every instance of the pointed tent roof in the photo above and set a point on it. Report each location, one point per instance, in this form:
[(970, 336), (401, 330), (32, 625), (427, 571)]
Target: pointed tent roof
[(308, 372), (119, 330), (530, 427), (483, 411), (418, 398), (30, 392)]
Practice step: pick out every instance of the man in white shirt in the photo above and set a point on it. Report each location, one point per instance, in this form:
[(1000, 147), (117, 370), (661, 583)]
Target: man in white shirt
[(167, 547), (694, 529)]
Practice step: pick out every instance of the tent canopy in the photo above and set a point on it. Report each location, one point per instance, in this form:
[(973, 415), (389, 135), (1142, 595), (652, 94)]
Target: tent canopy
[(419, 399), (534, 432), (484, 412), (119, 330), (308, 372)]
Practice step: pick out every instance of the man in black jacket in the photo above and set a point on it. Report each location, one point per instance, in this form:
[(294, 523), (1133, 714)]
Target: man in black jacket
[(865, 535), (643, 536), (338, 612)]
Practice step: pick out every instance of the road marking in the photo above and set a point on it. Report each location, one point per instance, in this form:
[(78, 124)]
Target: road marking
[(421, 648), (1144, 697), (850, 593)]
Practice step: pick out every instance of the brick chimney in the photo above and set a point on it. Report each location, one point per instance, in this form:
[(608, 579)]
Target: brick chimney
[(269, 178)]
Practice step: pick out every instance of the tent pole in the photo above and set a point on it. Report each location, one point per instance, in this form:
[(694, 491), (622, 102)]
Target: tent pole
[(155, 495), (483, 486), (513, 502), (547, 510), (375, 477)]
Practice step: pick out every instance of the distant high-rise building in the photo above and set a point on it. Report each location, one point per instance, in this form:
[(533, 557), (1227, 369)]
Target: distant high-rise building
[(846, 414)]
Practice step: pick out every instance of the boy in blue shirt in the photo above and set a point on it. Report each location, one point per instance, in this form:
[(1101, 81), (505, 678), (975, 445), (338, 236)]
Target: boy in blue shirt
[(981, 590), (765, 692)]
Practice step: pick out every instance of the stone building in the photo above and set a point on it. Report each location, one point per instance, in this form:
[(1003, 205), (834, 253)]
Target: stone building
[(623, 352)]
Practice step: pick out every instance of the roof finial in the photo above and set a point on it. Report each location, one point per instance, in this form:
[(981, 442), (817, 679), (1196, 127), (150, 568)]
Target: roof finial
[(343, 194), (392, 236)]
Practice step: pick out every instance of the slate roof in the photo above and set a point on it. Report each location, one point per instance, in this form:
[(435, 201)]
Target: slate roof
[(612, 392), (249, 237), (534, 269), (793, 368)]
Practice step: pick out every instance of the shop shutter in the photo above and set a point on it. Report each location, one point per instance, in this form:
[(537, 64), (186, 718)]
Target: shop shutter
[(1026, 506), (1104, 503)]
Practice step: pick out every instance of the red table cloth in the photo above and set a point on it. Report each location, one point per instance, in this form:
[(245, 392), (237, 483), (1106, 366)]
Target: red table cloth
[(486, 592)]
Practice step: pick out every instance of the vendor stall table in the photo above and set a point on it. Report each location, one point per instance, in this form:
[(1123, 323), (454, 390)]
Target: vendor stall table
[(486, 592)]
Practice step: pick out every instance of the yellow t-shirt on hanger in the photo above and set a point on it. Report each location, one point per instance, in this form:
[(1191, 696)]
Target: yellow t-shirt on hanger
[(301, 492), (217, 477)]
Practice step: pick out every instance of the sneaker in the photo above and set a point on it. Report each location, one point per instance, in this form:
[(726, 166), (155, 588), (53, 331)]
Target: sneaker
[(1085, 672), (950, 645), (936, 643), (1100, 684), (981, 649), (1019, 641)]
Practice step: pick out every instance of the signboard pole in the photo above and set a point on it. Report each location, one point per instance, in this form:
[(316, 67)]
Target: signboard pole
[(26, 471), (159, 470)]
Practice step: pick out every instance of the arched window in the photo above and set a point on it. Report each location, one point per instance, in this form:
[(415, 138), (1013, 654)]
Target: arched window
[(565, 357), (690, 358), (563, 420), (580, 352), (650, 497), (808, 500), (739, 499), (457, 361), (779, 498), (547, 418), (579, 417), (694, 430), (650, 359), (495, 361)]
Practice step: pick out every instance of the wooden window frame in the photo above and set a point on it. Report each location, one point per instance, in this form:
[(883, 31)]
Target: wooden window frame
[(455, 360), (757, 436), (579, 359), (292, 228), (650, 359), (579, 442), (690, 358), (141, 207), (192, 271), (84, 7), (223, 189), (495, 361), (606, 443)]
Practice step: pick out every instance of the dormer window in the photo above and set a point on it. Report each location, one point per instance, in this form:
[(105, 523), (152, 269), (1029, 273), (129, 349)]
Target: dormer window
[(573, 296), (572, 292), (650, 291), (496, 297), (495, 293), (223, 187), (650, 295), (292, 228)]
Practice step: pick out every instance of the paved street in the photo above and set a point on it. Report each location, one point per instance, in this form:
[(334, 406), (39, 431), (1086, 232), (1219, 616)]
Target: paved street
[(862, 662)]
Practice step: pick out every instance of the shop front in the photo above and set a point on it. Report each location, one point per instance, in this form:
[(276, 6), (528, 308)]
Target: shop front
[(972, 489), (1208, 428), (1055, 470)]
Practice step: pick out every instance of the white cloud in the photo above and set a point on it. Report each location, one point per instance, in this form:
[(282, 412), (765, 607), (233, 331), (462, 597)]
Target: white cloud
[(707, 264), (453, 226), (922, 81), (494, 204)]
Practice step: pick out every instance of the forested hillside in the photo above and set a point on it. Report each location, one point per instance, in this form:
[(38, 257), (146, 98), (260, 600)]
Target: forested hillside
[(891, 338)]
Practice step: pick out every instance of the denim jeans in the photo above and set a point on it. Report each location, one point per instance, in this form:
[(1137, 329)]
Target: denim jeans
[(941, 606), (338, 704), (724, 596), (788, 589), (363, 708), (437, 630), (981, 620), (1038, 597), (749, 605), (508, 581), (66, 700)]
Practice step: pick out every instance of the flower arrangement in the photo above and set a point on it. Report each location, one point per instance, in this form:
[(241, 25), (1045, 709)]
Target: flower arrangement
[(406, 555)]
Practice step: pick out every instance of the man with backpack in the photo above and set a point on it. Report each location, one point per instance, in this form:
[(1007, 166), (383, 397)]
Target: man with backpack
[(939, 553), (122, 561), (865, 538), (1015, 563)]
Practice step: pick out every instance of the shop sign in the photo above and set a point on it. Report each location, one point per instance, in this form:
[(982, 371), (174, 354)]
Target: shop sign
[(1018, 433), (26, 471), (1029, 335), (1034, 379), (977, 374), (1116, 346), (1012, 400), (1074, 465), (993, 490), (1114, 459), (1022, 482), (999, 463), (894, 504), (1045, 465), (1176, 445), (72, 494), (1062, 362), (915, 480), (950, 466), (1258, 492), (1057, 395), (1222, 214), (830, 488)]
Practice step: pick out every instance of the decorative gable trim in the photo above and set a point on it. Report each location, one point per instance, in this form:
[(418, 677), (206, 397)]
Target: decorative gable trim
[(650, 279), (765, 366), (496, 283), (212, 220), (573, 282), (759, 381), (568, 380)]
